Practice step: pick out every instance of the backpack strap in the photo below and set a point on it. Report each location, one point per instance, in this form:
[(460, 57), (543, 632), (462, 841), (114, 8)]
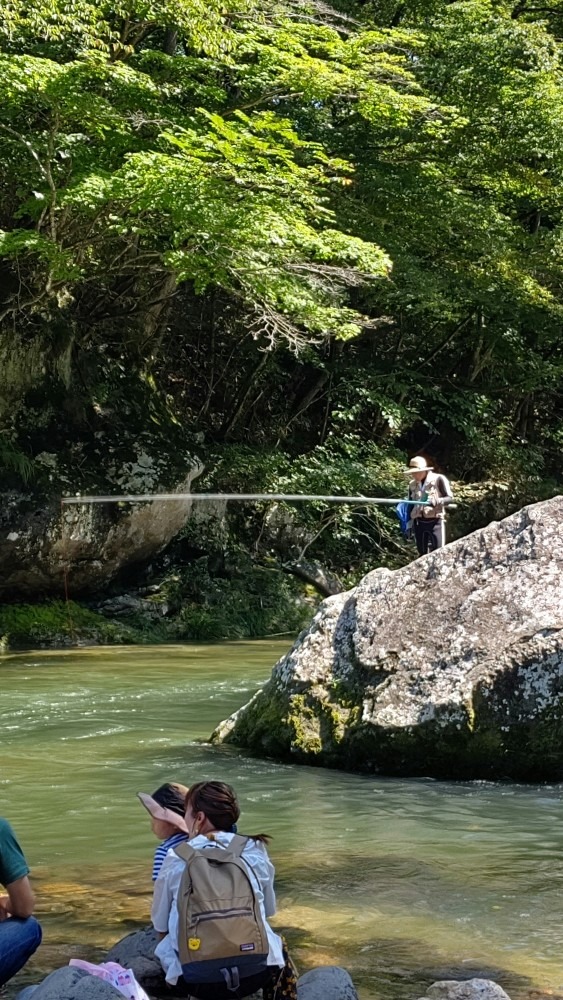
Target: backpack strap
[(184, 851), (237, 845)]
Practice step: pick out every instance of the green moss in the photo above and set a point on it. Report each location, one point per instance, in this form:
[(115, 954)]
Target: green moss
[(317, 727), (310, 728), (263, 727), (57, 623), (304, 724)]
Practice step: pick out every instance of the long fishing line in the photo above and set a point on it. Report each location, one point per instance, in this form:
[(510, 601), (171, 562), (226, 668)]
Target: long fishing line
[(289, 497)]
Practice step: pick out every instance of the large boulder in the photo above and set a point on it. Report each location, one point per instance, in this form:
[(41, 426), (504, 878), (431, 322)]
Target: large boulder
[(451, 666), (42, 541)]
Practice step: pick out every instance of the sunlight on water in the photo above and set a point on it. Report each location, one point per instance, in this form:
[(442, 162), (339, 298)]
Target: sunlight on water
[(402, 882)]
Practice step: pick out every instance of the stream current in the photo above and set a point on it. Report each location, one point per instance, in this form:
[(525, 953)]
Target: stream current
[(401, 882)]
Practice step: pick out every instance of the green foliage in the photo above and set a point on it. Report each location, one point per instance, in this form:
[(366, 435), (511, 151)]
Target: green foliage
[(14, 460), (316, 239), (241, 601), (58, 623), (347, 539)]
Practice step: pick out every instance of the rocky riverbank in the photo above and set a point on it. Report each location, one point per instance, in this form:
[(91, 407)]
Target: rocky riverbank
[(136, 952)]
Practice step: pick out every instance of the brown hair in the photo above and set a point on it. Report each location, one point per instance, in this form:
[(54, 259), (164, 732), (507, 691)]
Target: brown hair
[(219, 803)]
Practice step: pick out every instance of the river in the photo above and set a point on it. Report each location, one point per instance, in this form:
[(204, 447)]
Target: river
[(402, 882)]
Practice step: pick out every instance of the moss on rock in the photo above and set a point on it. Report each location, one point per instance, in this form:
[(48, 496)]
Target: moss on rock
[(58, 624)]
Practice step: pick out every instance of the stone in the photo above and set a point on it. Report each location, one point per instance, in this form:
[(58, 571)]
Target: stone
[(469, 989), (42, 541), (327, 982), (136, 952), (124, 605), (450, 667), (69, 983)]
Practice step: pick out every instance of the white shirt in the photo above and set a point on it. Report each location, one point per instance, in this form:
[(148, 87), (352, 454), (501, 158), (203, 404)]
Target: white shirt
[(164, 912)]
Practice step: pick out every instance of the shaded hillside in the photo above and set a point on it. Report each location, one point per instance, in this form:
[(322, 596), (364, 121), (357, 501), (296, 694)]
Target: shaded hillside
[(290, 243)]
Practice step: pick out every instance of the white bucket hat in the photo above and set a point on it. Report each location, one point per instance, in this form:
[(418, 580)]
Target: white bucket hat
[(417, 464)]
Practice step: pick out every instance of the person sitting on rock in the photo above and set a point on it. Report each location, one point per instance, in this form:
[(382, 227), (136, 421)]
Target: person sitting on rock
[(429, 522), (166, 808), (211, 815), (20, 933)]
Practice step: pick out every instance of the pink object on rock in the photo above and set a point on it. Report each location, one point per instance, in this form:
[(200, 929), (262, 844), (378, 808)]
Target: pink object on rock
[(114, 974)]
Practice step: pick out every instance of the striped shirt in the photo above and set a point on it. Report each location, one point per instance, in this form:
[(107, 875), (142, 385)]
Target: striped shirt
[(162, 851)]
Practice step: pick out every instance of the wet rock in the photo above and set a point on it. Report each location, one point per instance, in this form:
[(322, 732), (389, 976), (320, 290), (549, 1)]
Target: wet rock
[(450, 667), (470, 989), (70, 984), (328, 982), (136, 952)]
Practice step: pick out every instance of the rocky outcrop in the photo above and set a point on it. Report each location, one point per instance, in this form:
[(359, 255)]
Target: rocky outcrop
[(451, 666), (92, 543)]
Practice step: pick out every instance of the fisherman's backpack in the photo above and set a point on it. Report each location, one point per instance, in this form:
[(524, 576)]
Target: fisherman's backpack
[(222, 936)]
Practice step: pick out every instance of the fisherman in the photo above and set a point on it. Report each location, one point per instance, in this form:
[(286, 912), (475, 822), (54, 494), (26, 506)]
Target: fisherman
[(429, 487)]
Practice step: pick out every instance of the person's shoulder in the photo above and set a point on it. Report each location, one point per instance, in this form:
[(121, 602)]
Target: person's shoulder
[(256, 848), (5, 828), (171, 863), (259, 845)]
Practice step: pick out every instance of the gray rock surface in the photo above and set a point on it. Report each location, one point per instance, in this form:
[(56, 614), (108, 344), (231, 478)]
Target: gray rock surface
[(328, 982), (451, 666), (469, 989), (39, 541), (70, 984), (136, 952)]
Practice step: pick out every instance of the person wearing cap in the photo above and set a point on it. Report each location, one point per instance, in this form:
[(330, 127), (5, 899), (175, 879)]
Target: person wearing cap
[(434, 491), (20, 933), (166, 807)]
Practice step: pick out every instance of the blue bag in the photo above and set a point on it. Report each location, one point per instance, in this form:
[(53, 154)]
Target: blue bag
[(403, 512)]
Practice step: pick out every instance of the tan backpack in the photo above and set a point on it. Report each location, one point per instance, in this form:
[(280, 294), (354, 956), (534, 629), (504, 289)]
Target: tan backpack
[(222, 936)]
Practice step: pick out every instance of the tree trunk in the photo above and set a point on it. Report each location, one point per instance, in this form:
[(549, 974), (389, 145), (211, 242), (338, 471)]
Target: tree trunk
[(323, 580)]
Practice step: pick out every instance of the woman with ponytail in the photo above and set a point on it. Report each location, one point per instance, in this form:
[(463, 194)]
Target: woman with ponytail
[(211, 815)]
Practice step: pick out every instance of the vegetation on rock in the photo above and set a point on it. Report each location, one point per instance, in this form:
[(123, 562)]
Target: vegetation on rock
[(61, 624)]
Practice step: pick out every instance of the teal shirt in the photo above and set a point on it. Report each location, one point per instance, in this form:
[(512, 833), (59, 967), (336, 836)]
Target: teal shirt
[(12, 862)]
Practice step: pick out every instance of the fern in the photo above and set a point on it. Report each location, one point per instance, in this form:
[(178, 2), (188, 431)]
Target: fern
[(14, 460)]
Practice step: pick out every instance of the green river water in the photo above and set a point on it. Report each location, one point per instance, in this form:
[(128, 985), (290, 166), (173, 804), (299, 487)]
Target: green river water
[(402, 882)]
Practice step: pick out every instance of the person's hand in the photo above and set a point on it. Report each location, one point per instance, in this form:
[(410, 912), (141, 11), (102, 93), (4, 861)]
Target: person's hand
[(433, 502), (4, 908)]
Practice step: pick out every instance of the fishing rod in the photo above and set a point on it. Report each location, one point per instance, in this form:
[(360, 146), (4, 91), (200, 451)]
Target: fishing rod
[(290, 497)]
